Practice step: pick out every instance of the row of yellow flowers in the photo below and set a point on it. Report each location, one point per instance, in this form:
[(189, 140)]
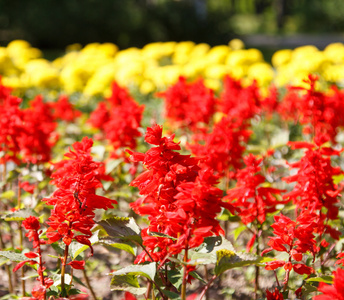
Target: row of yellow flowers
[(91, 69)]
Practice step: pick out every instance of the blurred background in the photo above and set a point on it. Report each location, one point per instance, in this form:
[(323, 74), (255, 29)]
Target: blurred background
[(266, 24)]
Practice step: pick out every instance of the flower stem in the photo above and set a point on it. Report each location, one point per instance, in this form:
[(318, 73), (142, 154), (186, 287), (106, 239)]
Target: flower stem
[(89, 285), (256, 281), (63, 269), (183, 290), (20, 229), (207, 287), (9, 273)]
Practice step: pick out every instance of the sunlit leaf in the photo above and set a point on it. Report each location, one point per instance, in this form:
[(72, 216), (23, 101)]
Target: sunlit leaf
[(128, 283), (147, 270), (123, 228), (227, 259)]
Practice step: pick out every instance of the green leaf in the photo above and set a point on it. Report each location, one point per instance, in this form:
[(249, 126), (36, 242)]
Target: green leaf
[(8, 194), (123, 228), (171, 295), (197, 276), (75, 292), (238, 230), (147, 270), (3, 260), (112, 164), (53, 291), (57, 279), (128, 283), (58, 248), (99, 151), (13, 256), (338, 178), (53, 256), (9, 297), (20, 215), (308, 289), (158, 234), (326, 279), (76, 248), (206, 253), (117, 243), (227, 259), (34, 275), (175, 277), (280, 138)]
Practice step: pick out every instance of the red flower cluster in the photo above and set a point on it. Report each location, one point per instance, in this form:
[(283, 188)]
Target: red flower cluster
[(179, 198), (294, 238), (252, 200), (315, 190), (189, 104), (64, 110), (223, 148), (275, 295), (28, 135), (38, 126), (240, 102), (10, 125), (119, 117), (335, 291), (77, 179), (316, 110)]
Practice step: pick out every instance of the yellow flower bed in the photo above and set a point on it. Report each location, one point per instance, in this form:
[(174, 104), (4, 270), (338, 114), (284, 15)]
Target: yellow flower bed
[(91, 69)]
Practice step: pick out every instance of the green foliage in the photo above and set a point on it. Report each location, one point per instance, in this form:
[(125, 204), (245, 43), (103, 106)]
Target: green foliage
[(125, 229), (127, 283), (13, 256), (227, 259), (76, 248), (126, 279), (147, 270), (20, 215)]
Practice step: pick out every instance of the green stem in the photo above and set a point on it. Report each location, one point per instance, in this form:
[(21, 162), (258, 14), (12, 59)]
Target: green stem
[(21, 240), (183, 291), (256, 281), (63, 270)]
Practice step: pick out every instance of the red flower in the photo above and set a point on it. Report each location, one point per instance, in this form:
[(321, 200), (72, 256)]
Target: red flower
[(276, 295), (316, 110), (31, 223), (119, 117), (39, 137), (189, 104), (275, 264), (294, 238), (335, 291), (239, 102), (180, 198), (75, 200), (75, 264), (64, 110), (315, 190), (128, 296), (252, 200), (223, 148), (11, 125), (27, 187), (341, 260)]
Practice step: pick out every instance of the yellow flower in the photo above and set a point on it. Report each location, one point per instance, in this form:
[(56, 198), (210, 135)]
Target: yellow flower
[(281, 57)]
